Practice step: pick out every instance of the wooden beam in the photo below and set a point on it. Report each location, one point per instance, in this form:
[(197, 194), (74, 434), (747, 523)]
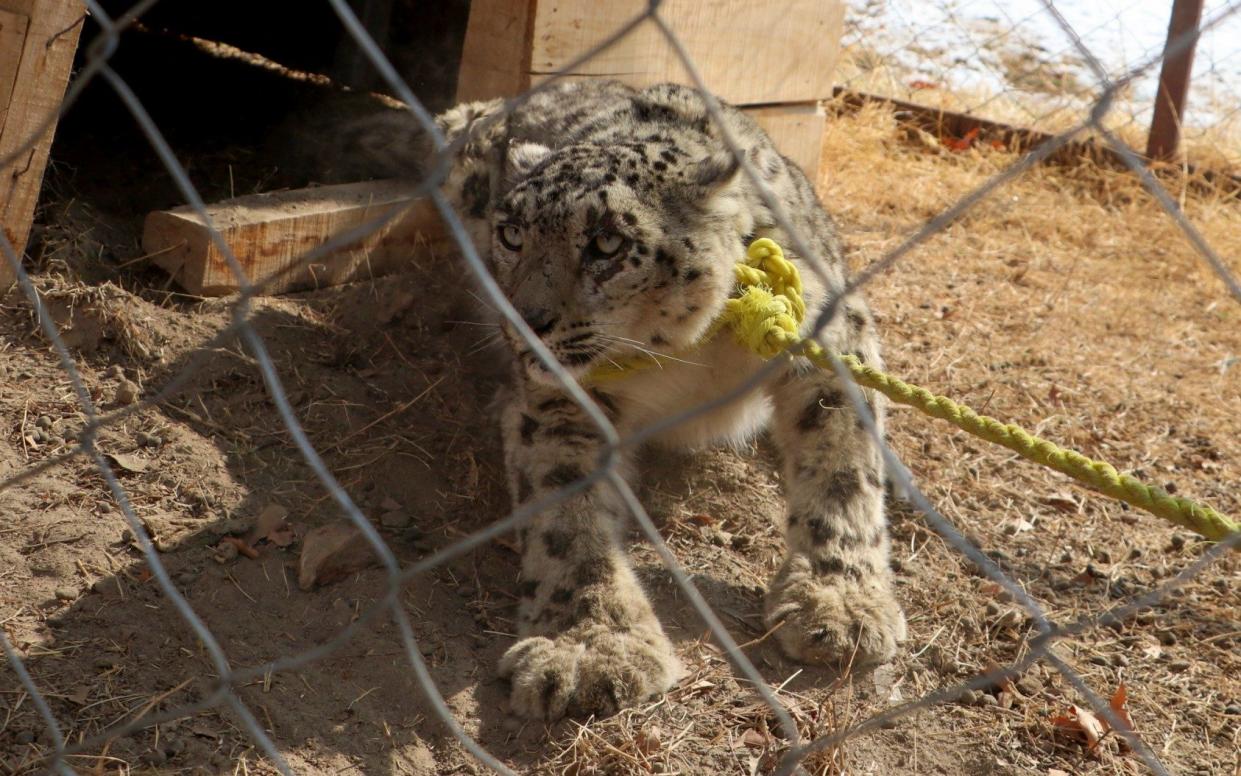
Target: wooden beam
[(797, 130), (1178, 62), (511, 44), (271, 233), (37, 43), (495, 58)]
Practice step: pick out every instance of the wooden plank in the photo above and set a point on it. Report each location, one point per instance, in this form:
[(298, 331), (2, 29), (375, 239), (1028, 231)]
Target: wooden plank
[(12, 38), (796, 129), (511, 44), (42, 72), (495, 59), (747, 51), (270, 233)]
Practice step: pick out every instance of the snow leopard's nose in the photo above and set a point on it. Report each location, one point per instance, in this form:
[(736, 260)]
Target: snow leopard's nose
[(539, 319)]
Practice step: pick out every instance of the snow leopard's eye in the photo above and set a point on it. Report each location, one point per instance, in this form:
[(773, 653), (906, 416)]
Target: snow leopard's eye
[(510, 236), (607, 244)]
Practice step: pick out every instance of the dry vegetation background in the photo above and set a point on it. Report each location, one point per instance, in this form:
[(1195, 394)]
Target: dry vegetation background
[(1068, 303)]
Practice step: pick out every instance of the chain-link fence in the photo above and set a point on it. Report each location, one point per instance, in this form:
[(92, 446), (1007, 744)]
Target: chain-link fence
[(1014, 63), (1084, 81)]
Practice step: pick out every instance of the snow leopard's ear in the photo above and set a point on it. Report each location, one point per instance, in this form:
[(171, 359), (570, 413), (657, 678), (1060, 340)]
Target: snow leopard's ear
[(716, 171), (522, 157)]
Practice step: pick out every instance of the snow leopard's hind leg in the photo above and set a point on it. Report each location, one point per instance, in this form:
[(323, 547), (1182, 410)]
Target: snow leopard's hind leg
[(833, 593)]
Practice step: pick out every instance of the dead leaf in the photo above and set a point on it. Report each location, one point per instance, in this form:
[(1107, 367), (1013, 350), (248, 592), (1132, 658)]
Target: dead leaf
[(272, 526), (649, 739), (1003, 678), (887, 683), (127, 463), (332, 552), (962, 143), (754, 739), (242, 546), (703, 520), (1081, 723), (1063, 502), (1117, 703)]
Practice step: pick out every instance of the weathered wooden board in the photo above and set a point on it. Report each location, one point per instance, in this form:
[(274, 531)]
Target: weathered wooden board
[(747, 51), (777, 76), (797, 130), (271, 233), (37, 41), (495, 59)]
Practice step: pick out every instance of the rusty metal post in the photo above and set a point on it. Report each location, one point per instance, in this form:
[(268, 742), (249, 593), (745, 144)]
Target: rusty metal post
[(1178, 61)]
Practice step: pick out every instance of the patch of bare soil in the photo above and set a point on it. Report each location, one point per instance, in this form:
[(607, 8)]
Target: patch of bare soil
[(1067, 302)]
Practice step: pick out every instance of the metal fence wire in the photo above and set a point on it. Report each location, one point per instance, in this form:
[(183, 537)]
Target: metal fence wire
[(1108, 86)]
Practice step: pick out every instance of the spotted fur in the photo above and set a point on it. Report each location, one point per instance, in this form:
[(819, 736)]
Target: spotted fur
[(611, 219)]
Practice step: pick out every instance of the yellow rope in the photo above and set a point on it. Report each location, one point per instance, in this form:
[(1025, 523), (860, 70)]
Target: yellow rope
[(767, 315)]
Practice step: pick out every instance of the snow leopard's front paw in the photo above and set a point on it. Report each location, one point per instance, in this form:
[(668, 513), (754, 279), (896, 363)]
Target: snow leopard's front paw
[(598, 672), (832, 615)]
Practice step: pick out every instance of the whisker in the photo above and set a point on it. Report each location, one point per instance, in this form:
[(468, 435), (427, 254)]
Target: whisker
[(482, 301), (475, 323), (483, 344), (652, 353)]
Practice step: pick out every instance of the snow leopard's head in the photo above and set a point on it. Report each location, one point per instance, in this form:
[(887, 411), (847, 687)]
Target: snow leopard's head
[(608, 251)]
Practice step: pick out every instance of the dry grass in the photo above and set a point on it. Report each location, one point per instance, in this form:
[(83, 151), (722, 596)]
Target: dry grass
[(1068, 302), (1041, 99)]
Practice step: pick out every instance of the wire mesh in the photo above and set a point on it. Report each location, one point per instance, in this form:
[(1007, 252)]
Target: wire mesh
[(895, 48)]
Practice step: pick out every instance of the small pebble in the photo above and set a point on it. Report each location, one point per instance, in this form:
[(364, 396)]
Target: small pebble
[(1233, 709), (68, 434), (66, 593), (971, 697), (1167, 638), (102, 585), (24, 737), (986, 699), (149, 440), (153, 757), (44, 422), (127, 392), (1100, 660), (1179, 665), (105, 664), (1120, 661), (1178, 541), (394, 520), (225, 552), (115, 372)]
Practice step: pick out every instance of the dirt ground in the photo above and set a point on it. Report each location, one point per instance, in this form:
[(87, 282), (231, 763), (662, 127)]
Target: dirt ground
[(1067, 302)]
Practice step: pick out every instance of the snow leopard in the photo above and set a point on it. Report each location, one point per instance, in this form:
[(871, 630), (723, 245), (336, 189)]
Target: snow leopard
[(612, 217)]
